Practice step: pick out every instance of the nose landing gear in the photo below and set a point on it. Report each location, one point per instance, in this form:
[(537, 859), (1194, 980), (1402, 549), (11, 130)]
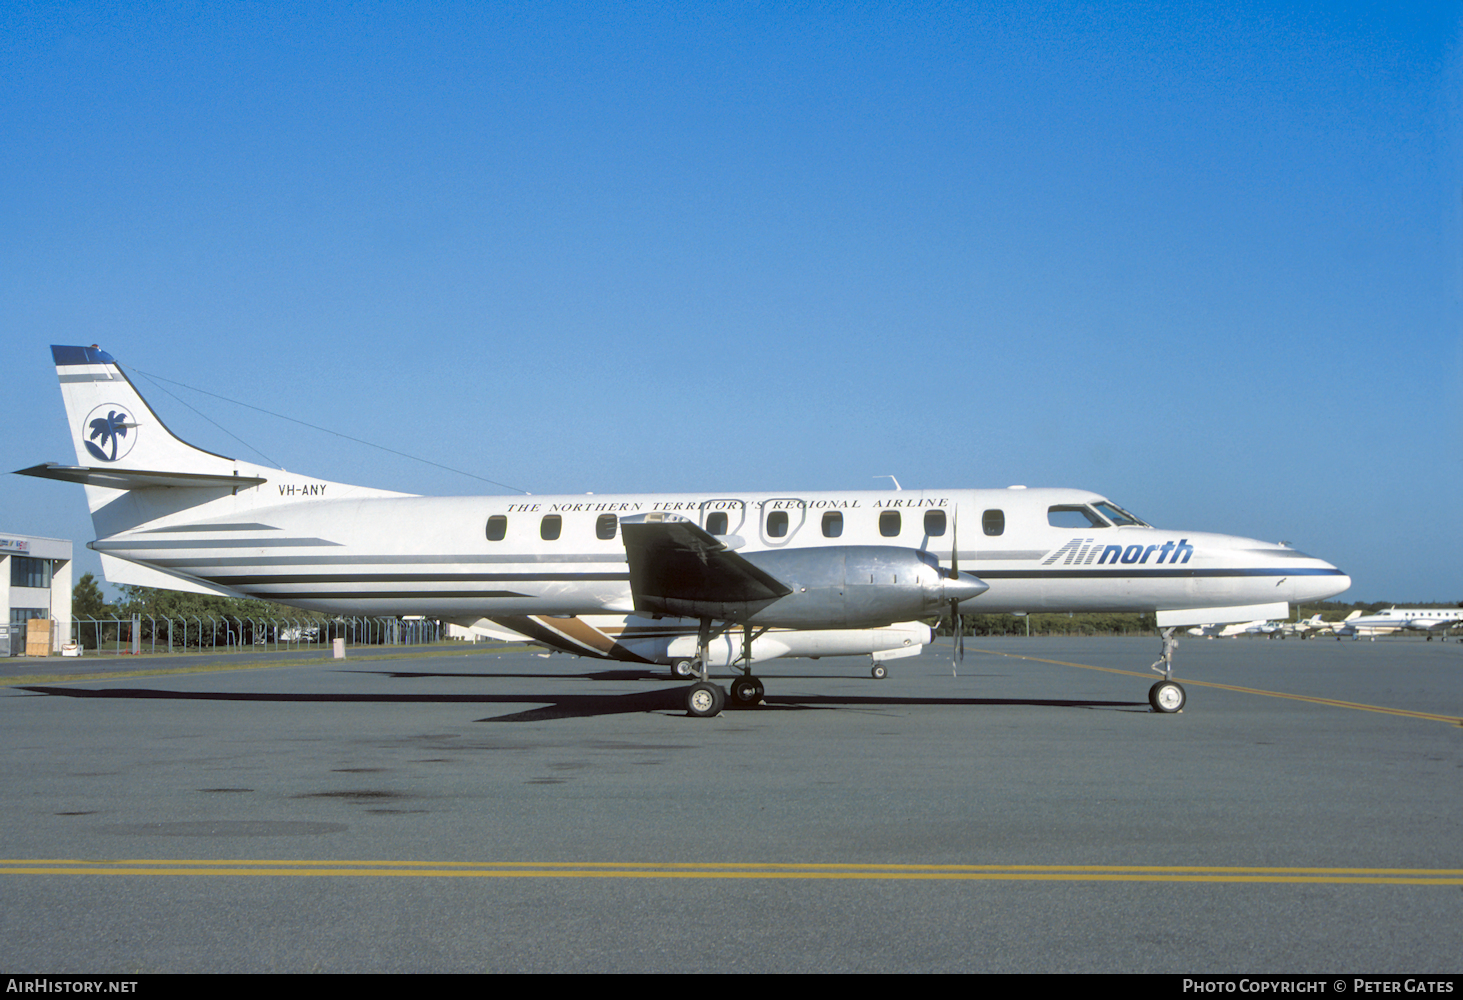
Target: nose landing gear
[(1168, 695)]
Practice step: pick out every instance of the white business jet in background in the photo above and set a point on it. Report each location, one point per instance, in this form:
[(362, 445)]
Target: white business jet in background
[(170, 515), (1434, 621)]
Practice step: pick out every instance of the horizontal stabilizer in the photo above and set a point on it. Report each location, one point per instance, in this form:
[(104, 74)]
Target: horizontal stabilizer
[(136, 479), (674, 563)]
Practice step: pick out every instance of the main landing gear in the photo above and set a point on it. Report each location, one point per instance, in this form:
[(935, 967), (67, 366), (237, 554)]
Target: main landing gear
[(1167, 695), (705, 699)]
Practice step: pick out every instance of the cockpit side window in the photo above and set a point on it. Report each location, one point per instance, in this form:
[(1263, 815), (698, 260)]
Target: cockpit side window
[(1074, 516)]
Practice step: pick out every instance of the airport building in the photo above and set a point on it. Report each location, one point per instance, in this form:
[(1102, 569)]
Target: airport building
[(35, 584)]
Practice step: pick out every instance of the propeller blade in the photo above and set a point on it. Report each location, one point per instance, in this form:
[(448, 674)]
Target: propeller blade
[(957, 652), (957, 655)]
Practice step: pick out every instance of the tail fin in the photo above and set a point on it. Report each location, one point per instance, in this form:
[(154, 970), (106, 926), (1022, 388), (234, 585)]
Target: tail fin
[(139, 476), (123, 447), (112, 426)]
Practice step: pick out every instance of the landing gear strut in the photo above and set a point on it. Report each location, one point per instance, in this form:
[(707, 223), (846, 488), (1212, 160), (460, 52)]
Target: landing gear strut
[(746, 689), (1167, 695), (703, 699)]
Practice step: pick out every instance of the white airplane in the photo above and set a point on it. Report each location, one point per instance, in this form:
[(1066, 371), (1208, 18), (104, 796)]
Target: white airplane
[(1303, 628), (1429, 620), (1216, 631), (170, 515)]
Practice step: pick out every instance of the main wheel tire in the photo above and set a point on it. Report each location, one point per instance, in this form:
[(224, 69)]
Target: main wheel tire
[(683, 669), (1167, 697), (705, 700), (746, 690), (879, 672)]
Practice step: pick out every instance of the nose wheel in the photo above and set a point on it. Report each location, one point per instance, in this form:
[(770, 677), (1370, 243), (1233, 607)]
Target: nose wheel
[(1167, 697)]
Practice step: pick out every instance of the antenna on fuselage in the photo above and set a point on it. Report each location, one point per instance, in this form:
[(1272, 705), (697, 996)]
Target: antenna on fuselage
[(895, 481)]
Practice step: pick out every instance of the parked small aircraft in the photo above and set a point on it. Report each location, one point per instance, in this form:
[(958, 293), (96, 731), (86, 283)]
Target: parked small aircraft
[(1434, 621), (170, 515), (1214, 631)]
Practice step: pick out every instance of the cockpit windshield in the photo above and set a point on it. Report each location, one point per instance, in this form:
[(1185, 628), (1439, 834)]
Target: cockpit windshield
[(1118, 516)]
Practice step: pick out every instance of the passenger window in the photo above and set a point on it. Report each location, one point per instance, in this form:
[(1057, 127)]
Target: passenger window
[(934, 523), (832, 524), (777, 524), (716, 523), (497, 527), (604, 526), (550, 527), (993, 521), (1074, 516), (889, 524)]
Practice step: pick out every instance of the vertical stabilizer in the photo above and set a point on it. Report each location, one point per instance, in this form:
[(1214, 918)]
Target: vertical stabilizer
[(112, 426)]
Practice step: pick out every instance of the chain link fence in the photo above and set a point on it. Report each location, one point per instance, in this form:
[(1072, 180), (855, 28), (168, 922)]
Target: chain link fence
[(210, 633)]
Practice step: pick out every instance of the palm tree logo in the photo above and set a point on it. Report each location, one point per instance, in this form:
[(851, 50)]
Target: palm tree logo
[(109, 431)]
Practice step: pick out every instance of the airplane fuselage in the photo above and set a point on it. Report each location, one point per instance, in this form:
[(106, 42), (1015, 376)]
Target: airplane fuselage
[(466, 557)]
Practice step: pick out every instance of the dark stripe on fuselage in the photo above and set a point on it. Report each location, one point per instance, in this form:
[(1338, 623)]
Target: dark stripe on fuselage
[(283, 560), (204, 544), (343, 578), (286, 596), (1120, 572)]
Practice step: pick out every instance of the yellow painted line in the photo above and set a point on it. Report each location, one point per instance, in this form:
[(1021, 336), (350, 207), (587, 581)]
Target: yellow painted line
[(739, 870), (1333, 702)]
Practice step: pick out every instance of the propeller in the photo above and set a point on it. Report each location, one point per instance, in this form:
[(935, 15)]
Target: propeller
[(957, 655)]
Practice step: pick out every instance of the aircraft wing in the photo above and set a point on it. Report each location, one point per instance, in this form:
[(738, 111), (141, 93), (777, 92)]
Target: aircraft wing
[(677, 568)]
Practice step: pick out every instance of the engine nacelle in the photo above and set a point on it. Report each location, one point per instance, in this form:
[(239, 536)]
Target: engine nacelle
[(857, 586)]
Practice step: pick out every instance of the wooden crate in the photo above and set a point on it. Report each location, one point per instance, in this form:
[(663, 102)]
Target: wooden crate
[(38, 637)]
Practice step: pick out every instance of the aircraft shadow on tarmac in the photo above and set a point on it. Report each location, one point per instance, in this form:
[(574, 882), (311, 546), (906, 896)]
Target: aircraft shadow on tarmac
[(560, 706)]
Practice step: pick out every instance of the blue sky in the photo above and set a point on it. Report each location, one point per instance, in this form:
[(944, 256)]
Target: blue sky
[(1203, 260)]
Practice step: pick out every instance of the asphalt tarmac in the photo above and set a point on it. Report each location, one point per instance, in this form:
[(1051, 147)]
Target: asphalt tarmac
[(503, 811)]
